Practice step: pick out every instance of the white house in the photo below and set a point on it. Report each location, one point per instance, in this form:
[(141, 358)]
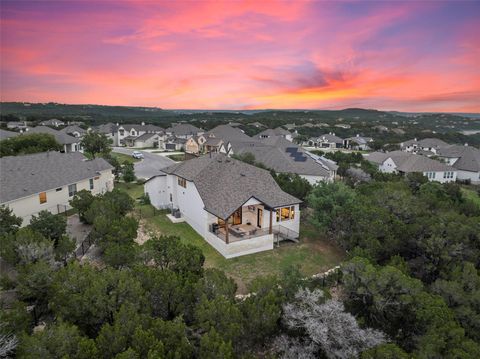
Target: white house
[(358, 143), (328, 140), (403, 162), (465, 159), (130, 135), (53, 123), (237, 208), (48, 181), (427, 145)]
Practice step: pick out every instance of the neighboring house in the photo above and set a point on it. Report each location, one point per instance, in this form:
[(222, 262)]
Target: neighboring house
[(465, 159), (290, 126), (237, 208), (213, 144), (14, 125), (146, 140), (74, 130), (173, 143), (358, 143), (276, 132), (7, 134), (404, 163), (427, 146), (69, 143), (232, 138), (328, 140), (49, 180), (109, 130), (192, 145), (52, 123), (127, 135), (184, 130), (282, 156)]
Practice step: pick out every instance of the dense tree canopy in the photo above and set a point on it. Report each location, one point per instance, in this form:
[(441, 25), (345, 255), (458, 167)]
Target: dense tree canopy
[(28, 143)]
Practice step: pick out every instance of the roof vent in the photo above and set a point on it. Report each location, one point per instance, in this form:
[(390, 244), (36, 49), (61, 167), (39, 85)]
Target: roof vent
[(242, 174)]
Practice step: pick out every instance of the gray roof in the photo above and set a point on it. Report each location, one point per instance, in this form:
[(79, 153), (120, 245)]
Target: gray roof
[(145, 136), (139, 127), (61, 137), (107, 128), (408, 162), (360, 140), (184, 129), (213, 141), (7, 134), (26, 175), (330, 137), (468, 157), (274, 132), (236, 137), (279, 154), (225, 184), (426, 142), (73, 128)]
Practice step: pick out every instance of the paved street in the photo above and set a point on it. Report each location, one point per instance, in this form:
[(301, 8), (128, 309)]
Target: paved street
[(150, 165)]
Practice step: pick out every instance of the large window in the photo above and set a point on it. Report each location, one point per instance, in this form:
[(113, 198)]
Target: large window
[(91, 183), (448, 174), (182, 182), (42, 196), (285, 213), (72, 189)]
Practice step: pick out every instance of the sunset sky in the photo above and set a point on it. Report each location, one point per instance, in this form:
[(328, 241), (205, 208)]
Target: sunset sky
[(409, 56)]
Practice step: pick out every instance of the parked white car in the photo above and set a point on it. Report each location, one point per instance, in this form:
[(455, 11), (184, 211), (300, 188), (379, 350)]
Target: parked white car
[(137, 154)]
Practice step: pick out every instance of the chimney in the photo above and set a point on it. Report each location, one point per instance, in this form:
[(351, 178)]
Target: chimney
[(466, 144), (358, 135), (117, 123), (143, 123), (415, 139)]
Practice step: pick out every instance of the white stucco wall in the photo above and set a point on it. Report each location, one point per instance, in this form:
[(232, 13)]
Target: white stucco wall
[(156, 188), (474, 177), (30, 205), (313, 180)]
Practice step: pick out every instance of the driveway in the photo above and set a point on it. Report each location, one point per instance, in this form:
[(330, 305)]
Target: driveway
[(151, 164)]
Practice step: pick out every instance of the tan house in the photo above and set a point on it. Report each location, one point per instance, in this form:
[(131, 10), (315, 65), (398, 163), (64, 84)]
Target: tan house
[(192, 146), (49, 180)]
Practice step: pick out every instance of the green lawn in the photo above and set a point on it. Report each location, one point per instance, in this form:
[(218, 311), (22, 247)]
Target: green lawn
[(472, 194), (177, 158), (312, 255), (122, 158)]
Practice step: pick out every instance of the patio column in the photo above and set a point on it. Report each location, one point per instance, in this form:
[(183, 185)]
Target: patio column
[(226, 231), (270, 229)]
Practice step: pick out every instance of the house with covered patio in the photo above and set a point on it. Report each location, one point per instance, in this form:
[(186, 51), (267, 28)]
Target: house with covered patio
[(236, 207)]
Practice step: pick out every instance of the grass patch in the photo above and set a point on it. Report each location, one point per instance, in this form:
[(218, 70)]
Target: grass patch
[(314, 253), (123, 158), (177, 158), (471, 194)]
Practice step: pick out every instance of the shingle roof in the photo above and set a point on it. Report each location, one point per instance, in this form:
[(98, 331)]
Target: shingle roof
[(408, 162), (140, 127), (23, 176), (330, 138), (274, 132), (61, 137), (184, 129), (145, 136), (73, 128), (468, 157), (277, 153), (426, 142), (106, 128), (7, 134), (225, 184)]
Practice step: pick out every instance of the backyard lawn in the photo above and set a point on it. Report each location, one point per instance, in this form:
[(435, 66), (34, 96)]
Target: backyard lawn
[(122, 158), (312, 255)]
